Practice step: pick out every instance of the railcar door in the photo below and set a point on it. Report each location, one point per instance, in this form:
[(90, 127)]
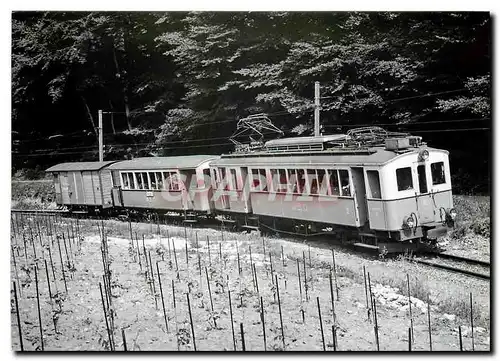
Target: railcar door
[(425, 203), (358, 182), (64, 188)]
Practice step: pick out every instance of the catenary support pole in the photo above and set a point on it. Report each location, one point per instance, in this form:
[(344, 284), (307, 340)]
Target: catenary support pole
[(316, 109), (101, 138)]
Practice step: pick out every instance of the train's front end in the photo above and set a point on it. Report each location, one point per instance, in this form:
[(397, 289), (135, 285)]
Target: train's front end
[(418, 202)]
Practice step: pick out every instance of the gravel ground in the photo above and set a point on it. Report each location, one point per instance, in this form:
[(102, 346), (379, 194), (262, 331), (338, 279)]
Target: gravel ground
[(81, 323)]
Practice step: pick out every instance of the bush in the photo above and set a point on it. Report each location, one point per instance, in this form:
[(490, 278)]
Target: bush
[(481, 227)]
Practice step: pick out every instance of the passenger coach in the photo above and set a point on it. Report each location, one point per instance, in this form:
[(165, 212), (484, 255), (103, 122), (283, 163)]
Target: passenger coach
[(163, 184), (382, 194)]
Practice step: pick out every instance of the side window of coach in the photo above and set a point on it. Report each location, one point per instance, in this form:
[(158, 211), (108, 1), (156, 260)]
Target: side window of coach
[(437, 171), (403, 177), (126, 184), (344, 182)]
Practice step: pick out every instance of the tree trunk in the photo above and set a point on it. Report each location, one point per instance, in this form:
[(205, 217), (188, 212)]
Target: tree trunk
[(124, 88), (91, 118), (112, 117)]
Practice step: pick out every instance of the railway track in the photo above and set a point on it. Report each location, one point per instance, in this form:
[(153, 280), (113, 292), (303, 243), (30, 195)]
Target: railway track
[(466, 266), (444, 261)]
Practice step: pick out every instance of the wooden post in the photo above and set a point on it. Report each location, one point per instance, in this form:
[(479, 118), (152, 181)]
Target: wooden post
[(67, 256), (334, 336), (124, 340), (191, 320), (242, 337), (52, 265), (281, 316), (256, 279), (15, 268), (173, 292), (161, 293), (332, 299), (232, 321), (335, 274), (263, 322), (366, 294), (300, 283), (471, 322), (62, 264), (372, 298), (168, 245), (321, 325), (210, 294), (139, 251), (198, 252), (18, 318), (38, 303), (409, 338), (460, 337), (283, 257), (209, 256), (153, 279), (175, 258), (429, 322), (409, 303), (305, 275), (50, 295)]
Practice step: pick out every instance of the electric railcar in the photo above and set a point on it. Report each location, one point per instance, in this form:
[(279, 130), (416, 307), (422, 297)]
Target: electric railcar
[(388, 195)]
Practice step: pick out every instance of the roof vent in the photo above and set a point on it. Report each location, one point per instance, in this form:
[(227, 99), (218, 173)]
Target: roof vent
[(397, 143)]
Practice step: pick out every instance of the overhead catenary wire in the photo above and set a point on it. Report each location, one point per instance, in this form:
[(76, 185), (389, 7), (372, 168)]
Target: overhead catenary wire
[(410, 97), (405, 124), (224, 144)]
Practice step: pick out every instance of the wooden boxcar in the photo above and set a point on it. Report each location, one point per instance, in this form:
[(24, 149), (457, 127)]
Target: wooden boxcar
[(82, 185)]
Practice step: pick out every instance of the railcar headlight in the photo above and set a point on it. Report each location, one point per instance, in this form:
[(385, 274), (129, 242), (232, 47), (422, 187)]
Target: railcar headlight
[(409, 222), (424, 154), (453, 213)]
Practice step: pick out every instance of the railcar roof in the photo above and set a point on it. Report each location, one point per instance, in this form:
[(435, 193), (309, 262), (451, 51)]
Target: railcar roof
[(304, 140), (79, 166), (151, 163), (379, 156)]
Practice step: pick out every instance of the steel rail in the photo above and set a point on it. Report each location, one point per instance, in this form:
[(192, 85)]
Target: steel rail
[(450, 268), (462, 259)]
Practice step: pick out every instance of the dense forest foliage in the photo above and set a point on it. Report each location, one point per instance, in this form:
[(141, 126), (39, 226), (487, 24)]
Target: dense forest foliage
[(176, 83)]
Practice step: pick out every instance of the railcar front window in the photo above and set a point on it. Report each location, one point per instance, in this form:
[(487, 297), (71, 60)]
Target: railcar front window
[(344, 182), (422, 178), (131, 180), (404, 179), (437, 171), (374, 183)]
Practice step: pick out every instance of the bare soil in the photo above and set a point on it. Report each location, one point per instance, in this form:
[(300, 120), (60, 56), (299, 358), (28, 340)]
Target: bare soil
[(81, 324)]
